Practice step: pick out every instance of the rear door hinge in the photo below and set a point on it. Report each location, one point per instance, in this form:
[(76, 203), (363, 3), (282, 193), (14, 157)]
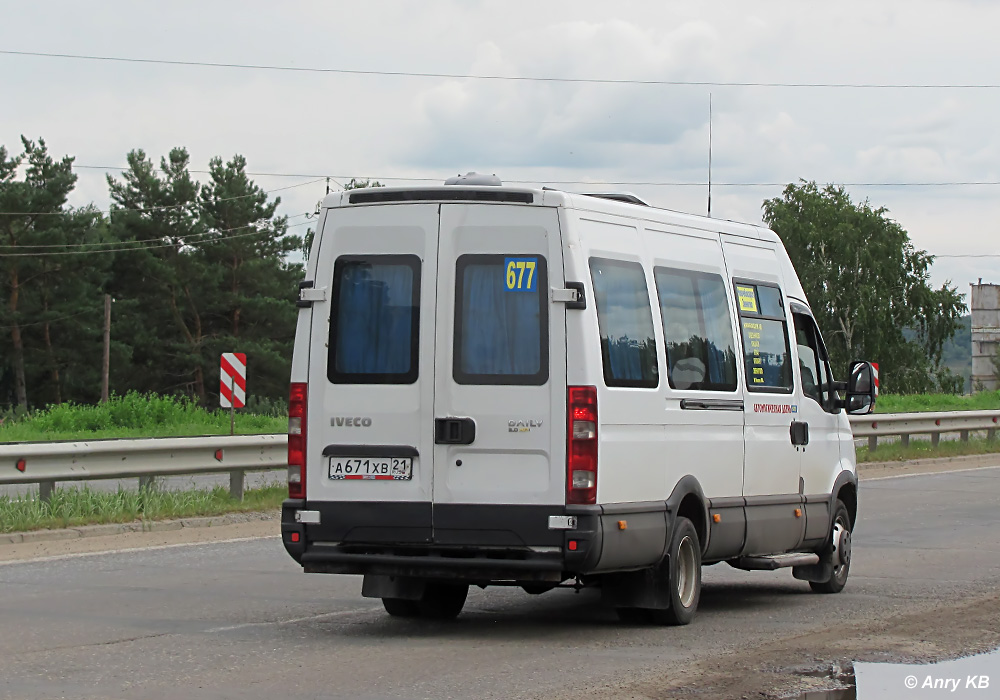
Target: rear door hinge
[(572, 296), (309, 294)]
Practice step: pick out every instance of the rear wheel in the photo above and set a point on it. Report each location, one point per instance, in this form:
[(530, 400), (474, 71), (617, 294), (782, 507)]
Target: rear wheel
[(400, 607), (443, 601), (683, 575), (839, 551), (678, 576)]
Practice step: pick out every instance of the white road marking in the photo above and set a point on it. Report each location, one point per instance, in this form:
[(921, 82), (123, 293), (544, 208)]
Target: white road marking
[(946, 471), (292, 621), (150, 548)]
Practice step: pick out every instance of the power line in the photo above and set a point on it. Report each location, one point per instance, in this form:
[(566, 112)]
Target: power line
[(165, 207), (151, 247), (51, 320), (520, 78), (632, 183), (22, 246), (970, 255)]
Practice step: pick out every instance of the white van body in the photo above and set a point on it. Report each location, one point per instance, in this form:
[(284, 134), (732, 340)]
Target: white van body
[(435, 397)]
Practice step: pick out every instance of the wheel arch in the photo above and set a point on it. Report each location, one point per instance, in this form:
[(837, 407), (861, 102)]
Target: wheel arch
[(845, 489), (688, 500)]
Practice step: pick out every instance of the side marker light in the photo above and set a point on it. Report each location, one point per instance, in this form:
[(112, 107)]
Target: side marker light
[(571, 546), (798, 512), (623, 525), (716, 518), (295, 537)]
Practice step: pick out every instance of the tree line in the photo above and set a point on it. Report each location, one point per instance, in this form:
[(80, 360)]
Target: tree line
[(197, 269), (194, 269), (868, 287)]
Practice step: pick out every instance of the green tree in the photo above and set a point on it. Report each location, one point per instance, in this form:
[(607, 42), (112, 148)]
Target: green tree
[(52, 282), (162, 286), (866, 284), (254, 285)]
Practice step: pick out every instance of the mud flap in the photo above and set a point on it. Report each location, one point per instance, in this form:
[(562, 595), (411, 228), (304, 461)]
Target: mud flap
[(816, 572), (648, 588), (403, 587)]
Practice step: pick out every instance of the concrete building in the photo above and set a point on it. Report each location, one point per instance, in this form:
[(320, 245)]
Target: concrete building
[(985, 335)]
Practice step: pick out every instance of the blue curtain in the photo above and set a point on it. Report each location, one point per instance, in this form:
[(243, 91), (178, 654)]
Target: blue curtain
[(500, 332), (624, 359), (375, 319)]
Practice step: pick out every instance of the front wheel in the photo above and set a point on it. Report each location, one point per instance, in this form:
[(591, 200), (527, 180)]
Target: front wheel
[(838, 552)]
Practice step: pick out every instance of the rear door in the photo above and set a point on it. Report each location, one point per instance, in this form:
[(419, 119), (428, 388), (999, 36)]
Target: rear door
[(371, 374), (500, 368)]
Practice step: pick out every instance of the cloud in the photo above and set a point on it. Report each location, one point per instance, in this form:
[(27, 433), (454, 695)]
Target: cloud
[(430, 127)]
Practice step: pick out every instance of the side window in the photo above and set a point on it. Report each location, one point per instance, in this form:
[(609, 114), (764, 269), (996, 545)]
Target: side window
[(625, 320), (697, 329), (374, 321), (501, 320), (765, 337), (813, 365)]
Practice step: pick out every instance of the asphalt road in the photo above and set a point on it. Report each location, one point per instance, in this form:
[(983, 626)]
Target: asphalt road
[(240, 620)]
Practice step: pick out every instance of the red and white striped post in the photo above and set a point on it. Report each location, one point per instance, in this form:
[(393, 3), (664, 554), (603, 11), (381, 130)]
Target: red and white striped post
[(233, 384)]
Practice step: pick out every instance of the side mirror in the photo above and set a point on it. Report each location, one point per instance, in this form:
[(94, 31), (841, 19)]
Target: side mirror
[(862, 388)]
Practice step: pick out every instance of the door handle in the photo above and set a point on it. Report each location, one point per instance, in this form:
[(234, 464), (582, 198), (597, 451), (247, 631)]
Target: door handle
[(454, 431), (799, 433)]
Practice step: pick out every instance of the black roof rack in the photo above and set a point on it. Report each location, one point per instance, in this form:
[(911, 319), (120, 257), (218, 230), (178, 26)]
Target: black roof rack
[(492, 194)]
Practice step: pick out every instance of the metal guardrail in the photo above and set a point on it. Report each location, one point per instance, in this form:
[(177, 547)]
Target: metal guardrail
[(45, 463), (876, 425)]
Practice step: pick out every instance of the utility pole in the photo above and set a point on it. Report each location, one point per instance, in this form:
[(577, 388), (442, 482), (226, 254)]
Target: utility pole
[(106, 369)]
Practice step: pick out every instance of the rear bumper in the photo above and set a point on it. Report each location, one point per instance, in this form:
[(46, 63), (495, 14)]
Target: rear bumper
[(471, 542)]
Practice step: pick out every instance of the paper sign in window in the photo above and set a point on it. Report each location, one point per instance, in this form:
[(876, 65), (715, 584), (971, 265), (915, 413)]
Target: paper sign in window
[(748, 299)]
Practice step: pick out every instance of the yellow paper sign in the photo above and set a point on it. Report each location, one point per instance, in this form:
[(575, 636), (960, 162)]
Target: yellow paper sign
[(748, 298)]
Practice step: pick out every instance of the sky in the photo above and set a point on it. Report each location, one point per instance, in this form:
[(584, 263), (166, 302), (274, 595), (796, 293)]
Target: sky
[(297, 127)]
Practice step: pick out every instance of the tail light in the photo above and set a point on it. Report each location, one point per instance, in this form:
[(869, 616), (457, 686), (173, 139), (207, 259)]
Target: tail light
[(581, 445), (297, 440)]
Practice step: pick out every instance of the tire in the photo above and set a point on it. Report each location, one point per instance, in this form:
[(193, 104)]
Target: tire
[(838, 580), (683, 576), (400, 607), (443, 601)]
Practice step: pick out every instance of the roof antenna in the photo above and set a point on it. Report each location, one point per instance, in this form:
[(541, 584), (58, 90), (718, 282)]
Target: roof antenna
[(710, 155)]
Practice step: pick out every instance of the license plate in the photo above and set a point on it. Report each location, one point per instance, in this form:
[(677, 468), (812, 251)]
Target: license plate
[(372, 468)]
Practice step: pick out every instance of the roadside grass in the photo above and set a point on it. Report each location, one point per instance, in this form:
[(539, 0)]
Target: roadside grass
[(134, 415), (924, 449), (914, 403), (75, 506)]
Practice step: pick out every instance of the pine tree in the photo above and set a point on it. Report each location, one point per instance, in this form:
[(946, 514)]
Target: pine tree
[(163, 286), (255, 311), (52, 290)]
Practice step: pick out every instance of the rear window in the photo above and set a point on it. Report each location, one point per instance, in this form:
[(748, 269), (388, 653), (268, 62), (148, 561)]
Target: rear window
[(374, 322), (501, 319)]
